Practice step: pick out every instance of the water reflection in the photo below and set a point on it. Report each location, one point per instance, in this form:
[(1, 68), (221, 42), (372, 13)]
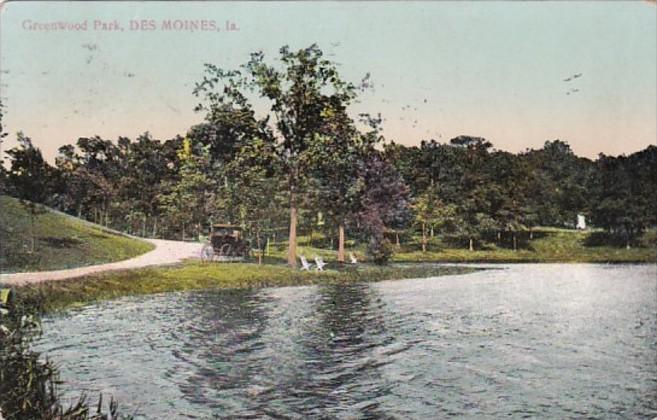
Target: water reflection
[(339, 374), (220, 335)]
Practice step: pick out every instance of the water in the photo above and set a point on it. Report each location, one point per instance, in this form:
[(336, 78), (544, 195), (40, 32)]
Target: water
[(557, 341)]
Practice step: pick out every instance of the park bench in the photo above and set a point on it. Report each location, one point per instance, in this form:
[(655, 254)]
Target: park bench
[(305, 265)]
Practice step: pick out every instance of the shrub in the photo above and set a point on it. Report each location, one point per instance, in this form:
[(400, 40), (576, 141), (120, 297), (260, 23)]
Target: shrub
[(28, 383), (379, 249)]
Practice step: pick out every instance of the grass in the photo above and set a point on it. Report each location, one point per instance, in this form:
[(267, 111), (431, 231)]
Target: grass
[(61, 241), (194, 275), (550, 245), (64, 241)]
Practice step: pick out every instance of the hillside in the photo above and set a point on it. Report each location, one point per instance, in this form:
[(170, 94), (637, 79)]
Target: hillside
[(61, 241)]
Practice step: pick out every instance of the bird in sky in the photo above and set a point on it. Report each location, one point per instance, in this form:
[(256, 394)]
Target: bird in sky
[(365, 83), (574, 76)]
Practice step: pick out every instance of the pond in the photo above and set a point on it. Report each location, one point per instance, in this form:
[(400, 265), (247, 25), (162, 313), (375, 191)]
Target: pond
[(536, 340)]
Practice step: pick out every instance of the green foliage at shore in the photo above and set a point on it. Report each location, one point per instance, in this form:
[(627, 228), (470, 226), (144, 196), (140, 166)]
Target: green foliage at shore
[(28, 382), (60, 241), (57, 295)]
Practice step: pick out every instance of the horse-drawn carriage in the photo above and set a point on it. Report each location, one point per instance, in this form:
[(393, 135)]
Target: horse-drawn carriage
[(225, 243)]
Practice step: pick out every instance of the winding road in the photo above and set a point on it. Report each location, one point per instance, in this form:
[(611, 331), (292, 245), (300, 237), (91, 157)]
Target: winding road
[(165, 253)]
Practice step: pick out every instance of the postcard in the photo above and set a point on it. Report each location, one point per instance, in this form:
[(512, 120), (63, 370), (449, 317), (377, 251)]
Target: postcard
[(338, 209)]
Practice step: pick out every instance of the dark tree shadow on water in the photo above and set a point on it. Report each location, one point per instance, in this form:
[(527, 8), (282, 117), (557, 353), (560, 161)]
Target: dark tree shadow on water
[(296, 353), (340, 375), (222, 330)]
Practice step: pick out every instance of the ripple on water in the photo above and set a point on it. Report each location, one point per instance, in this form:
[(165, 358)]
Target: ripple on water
[(553, 341)]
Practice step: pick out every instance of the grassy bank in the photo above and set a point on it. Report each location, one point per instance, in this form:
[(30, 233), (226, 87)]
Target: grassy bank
[(60, 241), (550, 245), (58, 295), (547, 245)]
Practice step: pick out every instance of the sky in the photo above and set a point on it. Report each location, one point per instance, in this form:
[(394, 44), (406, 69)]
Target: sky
[(440, 69)]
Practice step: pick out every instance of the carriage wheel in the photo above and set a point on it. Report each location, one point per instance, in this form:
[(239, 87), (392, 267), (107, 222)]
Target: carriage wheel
[(207, 253), (226, 250)]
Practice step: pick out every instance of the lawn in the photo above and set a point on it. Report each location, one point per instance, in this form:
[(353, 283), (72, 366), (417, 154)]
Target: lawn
[(194, 275), (61, 241), (550, 245)]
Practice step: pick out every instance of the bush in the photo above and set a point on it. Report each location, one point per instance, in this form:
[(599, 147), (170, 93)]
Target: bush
[(379, 249), (648, 239), (28, 383)]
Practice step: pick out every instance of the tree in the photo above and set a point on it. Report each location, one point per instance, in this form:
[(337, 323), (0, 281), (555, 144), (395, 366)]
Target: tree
[(509, 181), (626, 194), (29, 178), (427, 212), (384, 204), (297, 94), (560, 178), (3, 134), (100, 168), (146, 168), (334, 163), (474, 204), (253, 174), (190, 200)]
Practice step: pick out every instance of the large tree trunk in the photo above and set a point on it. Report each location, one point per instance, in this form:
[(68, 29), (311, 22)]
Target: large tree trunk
[(471, 245), (183, 231), (155, 227), (259, 248), (397, 240), (515, 242), (143, 228), (341, 243), (424, 238), (292, 239)]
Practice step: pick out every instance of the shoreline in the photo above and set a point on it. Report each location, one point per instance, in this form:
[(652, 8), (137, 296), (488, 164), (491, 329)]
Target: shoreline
[(61, 295)]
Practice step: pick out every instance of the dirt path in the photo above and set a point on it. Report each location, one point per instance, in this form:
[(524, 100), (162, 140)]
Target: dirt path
[(165, 252)]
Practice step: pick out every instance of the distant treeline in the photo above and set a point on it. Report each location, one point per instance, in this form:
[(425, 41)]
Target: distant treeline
[(462, 188), (308, 163)]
